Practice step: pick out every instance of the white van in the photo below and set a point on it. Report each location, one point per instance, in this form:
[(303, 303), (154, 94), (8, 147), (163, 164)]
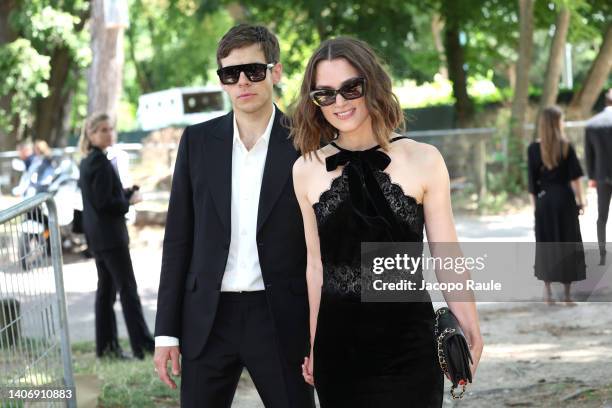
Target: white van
[(181, 106)]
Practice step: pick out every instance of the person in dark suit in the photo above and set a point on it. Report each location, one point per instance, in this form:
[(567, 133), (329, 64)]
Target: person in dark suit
[(105, 203), (232, 292), (598, 151)]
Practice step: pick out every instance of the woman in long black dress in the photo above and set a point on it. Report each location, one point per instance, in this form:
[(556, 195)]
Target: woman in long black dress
[(372, 185), (556, 191)]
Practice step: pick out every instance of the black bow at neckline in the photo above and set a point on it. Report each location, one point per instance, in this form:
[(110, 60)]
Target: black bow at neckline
[(366, 197)]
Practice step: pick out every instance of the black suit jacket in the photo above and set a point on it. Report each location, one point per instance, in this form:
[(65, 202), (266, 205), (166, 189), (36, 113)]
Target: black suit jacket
[(104, 203), (598, 146), (197, 239)]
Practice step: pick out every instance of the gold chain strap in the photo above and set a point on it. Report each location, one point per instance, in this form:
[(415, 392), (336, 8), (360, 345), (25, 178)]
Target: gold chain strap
[(443, 364), (455, 396)]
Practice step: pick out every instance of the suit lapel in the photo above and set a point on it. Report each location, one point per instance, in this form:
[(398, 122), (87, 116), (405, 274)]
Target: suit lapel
[(218, 156), (279, 163)]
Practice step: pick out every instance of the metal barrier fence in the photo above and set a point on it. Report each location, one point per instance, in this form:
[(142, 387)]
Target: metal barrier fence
[(34, 342)]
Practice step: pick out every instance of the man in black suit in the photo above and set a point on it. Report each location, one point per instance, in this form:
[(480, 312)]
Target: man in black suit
[(232, 292), (598, 151)]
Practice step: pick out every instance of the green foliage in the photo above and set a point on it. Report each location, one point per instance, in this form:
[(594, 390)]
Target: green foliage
[(387, 26), (169, 45), (50, 26), (43, 27), (23, 72)]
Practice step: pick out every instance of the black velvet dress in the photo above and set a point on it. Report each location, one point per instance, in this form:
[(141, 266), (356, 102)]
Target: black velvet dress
[(559, 250), (369, 354)]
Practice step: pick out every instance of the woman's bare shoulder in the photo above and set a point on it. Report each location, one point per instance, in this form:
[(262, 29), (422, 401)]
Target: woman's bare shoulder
[(424, 154)]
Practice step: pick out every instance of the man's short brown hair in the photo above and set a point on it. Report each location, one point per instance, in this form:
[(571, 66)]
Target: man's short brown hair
[(244, 35)]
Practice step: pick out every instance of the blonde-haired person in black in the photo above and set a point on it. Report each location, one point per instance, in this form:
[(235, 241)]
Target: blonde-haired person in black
[(105, 203)]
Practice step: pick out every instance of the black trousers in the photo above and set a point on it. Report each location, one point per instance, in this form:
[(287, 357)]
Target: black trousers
[(115, 275), (604, 193), (242, 335)]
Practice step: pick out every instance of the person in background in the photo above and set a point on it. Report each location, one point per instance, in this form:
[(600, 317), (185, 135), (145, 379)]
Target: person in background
[(105, 203), (25, 153), (598, 152), (42, 163), (557, 194)]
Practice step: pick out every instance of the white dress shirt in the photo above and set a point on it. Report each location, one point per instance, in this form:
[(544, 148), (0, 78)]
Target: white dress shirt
[(242, 271)]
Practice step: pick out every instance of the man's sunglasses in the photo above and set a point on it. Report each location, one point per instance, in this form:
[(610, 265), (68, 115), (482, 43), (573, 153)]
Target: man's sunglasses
[(351, 89), (255, 72)]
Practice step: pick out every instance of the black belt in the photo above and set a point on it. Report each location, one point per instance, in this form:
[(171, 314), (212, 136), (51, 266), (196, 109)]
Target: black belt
[(244, 295)]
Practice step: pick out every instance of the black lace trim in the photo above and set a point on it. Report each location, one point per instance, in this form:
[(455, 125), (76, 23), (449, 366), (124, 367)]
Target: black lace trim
[(342, 280), (404, 206)]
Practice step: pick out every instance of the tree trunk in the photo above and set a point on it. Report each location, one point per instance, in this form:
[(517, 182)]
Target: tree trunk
[(555, 59), (8, 141), (464, 107), (516, 142), (51, 111), (437, 25), (582, 103), (105, 74), (554, 65)]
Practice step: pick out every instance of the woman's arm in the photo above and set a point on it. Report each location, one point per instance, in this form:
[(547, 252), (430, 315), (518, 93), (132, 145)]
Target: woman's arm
[(103, 199), (314, 268), (440, 228)]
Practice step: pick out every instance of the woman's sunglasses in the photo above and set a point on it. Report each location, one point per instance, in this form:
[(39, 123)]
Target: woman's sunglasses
[(255, 72), (351, 89)]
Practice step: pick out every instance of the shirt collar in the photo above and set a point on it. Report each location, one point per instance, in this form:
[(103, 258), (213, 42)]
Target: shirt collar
[(266, 134)]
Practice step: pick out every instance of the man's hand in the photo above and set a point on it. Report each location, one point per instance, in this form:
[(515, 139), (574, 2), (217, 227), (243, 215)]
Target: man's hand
[(160, 359), (592, 183)]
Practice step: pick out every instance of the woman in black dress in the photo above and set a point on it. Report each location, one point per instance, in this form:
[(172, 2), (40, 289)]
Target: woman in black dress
[(105, 203), (556, 191), (368, 184)]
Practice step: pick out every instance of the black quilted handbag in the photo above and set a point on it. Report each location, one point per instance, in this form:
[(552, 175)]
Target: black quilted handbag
[(453, 352)]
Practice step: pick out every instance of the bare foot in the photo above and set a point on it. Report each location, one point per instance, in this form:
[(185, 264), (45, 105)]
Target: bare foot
[(570, 303), (550, 302)]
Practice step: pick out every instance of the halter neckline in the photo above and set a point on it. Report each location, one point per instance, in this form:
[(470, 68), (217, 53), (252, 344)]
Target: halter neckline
[(342, 149)]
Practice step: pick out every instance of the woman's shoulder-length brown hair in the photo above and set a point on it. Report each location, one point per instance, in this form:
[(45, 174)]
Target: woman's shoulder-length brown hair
[(309, 127)]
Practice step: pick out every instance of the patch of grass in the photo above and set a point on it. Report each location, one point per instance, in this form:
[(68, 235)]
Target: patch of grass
[(601, 396), (131, 383)]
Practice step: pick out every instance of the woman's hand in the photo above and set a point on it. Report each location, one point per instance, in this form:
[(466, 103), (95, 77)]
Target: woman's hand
[(476, 344), (307, 369), (135, 198)]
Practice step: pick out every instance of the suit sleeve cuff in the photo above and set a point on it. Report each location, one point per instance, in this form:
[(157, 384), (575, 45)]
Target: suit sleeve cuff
[(166, 341)]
